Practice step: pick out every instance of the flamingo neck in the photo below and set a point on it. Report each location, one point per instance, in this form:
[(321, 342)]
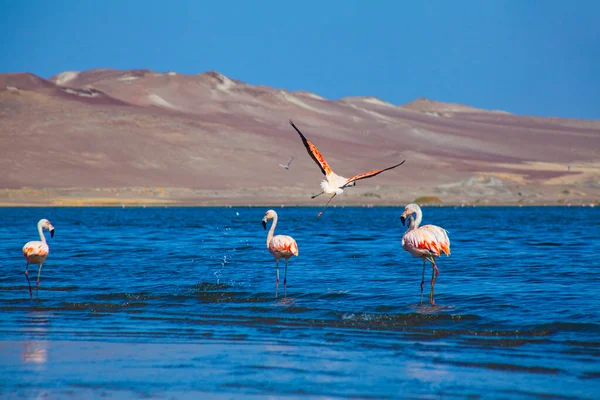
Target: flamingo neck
[(412, 225), (414, 221), (42, 237), (418, 219), (272, 230)]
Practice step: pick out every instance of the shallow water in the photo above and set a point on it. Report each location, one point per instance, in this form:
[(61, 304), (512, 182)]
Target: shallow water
[(179, 302)]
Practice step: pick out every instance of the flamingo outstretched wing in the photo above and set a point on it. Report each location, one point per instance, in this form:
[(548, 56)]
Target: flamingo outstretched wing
[(369, 174), (314, 152)]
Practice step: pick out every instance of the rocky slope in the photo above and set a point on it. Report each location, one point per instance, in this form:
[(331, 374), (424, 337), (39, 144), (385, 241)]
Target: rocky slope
[(209, 139)]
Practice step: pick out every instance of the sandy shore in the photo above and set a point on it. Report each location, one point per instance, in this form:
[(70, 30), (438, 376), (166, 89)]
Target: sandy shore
[(475, 192)]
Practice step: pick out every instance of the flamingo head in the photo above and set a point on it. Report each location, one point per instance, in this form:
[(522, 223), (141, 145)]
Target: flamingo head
[(409, 210), (268, 215), (45, 224)]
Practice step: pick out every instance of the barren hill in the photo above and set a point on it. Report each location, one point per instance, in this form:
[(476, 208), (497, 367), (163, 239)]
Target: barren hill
[(115, 136)]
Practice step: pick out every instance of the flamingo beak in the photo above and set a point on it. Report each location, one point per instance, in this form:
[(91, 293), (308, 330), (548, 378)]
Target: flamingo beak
[(402, 219), (51, 232), (264, 223)]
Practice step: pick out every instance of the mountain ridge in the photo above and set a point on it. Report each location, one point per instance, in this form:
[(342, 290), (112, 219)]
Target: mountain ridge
[(106, 128)]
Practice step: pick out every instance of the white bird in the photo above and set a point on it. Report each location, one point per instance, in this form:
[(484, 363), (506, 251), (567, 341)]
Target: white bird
[(36, 252), (287, 166), (334, 184)]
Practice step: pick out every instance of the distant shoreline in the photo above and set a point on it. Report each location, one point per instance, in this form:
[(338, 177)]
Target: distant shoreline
[(271, 205), (300, 196)]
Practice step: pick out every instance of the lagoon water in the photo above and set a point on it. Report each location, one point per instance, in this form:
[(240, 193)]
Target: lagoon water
[(179, 303)]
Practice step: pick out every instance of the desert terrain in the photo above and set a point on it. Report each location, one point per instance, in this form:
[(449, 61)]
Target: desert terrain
[(139, 137)]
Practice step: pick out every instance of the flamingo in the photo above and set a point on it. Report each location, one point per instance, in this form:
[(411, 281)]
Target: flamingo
[(334, 184), (427, 242), (36, 252), (280, 246), (287, 166)]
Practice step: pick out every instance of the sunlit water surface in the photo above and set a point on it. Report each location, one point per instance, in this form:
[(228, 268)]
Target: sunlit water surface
[(179, 302)]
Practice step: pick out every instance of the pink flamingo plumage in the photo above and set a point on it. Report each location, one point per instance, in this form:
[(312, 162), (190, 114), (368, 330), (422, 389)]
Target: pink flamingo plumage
[(36, 252), (281, 246), (334, 184), (427, 242)]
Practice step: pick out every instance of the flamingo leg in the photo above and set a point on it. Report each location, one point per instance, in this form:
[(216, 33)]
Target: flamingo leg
[(433, 276), (285, 279), (328, 201), (28, 281), (37, 283), (422, 281), (317, 195), (277, 280)]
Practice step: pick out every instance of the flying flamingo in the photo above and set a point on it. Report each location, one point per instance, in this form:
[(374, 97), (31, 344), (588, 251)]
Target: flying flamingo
[(333, 184), (36, 252), (287, 166), (427, 242), (280, 246)]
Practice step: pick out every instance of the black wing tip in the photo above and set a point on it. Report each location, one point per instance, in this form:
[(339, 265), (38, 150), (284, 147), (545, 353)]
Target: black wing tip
[(394, 166), (297, 130)]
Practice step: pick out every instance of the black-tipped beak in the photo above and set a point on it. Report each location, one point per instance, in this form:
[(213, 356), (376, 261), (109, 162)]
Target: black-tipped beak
[(52, 233), (264, 223), (402, 219)]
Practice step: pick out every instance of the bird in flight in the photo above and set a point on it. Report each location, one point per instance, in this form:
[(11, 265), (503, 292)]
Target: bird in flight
[(287, 166), (334, 184)]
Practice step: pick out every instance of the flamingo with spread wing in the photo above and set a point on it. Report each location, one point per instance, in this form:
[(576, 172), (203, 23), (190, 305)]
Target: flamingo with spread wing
[(334, 184)]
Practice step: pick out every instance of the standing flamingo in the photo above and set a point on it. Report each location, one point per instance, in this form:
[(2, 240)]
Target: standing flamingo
[(280, 246), (426, 242), (36, 252), (334, 184)]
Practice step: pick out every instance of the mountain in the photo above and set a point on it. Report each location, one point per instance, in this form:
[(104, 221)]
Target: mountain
[(111, 136)]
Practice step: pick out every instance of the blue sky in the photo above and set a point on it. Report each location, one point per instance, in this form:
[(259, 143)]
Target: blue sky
[(527, 57)]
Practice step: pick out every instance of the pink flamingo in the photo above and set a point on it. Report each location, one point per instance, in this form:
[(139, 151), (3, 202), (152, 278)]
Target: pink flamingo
[(280, 246), (36, 252), (334, 184), (427, 242)]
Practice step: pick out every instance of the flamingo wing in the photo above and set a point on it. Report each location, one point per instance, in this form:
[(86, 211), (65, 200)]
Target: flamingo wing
[(283, 243), (441, 237), (314, 152), (429, 238), (37, 249), (370, 174)]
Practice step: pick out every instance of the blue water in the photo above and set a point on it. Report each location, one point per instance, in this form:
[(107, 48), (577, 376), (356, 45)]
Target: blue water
[(179, 303)]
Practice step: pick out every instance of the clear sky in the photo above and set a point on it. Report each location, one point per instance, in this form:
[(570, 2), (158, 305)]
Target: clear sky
[(523, 56)]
